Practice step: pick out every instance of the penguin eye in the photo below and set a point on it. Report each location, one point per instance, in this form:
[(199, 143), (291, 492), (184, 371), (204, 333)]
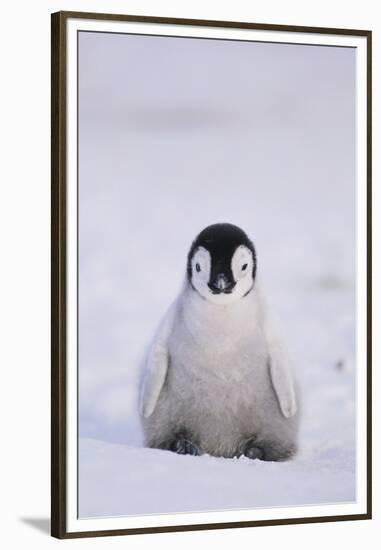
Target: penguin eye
[(198, 268), (244, 267)]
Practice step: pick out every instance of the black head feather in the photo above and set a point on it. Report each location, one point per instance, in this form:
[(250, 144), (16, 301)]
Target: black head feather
[(221, 240)]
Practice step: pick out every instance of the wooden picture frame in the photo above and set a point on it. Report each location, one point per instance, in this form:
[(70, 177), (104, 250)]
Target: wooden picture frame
[(62, 208)]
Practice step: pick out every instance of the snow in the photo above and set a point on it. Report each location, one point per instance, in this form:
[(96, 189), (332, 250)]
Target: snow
[(165, 152), (118, 480)]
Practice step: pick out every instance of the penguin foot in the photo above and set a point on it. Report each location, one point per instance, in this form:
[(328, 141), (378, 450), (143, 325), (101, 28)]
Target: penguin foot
[(250, 449), (266, 450), (253, 453), (184, 447), (180, 445)]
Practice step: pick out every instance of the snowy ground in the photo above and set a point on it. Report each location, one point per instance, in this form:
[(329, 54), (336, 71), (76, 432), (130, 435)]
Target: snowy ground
[(118, 480), (165, 152)]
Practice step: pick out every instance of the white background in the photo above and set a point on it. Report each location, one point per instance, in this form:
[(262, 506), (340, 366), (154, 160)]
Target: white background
[(25, 269)]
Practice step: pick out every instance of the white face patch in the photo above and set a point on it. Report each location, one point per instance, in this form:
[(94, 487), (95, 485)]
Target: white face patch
[(242, 269), (201, 264)]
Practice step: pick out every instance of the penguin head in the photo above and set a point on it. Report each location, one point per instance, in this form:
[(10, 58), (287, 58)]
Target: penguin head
[(222, 264)]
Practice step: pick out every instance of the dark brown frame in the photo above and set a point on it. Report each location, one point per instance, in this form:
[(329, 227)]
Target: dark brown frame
[(58, 272)]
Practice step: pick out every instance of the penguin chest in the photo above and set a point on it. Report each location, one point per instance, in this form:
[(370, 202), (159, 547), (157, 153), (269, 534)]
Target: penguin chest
[(223, 377)]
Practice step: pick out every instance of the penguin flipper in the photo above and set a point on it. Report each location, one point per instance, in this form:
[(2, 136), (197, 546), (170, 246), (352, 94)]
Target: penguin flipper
[(157, 365), (280, 367), (284, 387), (154, 381)]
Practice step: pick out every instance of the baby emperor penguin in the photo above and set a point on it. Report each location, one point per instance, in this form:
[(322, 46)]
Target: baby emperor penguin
[(217, 379)]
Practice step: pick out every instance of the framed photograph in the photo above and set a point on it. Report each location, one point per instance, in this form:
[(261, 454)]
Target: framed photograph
[(211, 274)]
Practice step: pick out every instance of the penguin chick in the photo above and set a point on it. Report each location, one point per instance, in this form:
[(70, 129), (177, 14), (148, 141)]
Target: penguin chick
[(218, 380)]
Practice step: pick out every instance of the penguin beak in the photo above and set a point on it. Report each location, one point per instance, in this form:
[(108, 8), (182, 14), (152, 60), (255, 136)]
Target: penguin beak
[(221, 284)]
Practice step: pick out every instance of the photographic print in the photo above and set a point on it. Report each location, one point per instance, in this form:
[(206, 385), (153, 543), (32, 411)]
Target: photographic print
[(210, 275)]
